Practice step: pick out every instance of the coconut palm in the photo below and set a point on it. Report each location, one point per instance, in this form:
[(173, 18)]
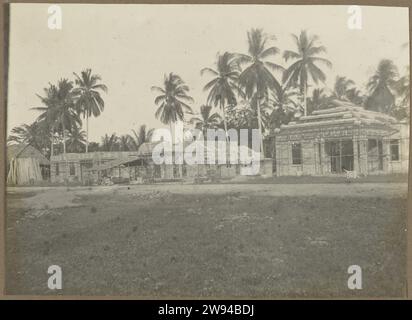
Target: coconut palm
[(355, 96), (140, 136), (256, 79), (245, 114), (305, 66), (109, 143), (124, 143), (320, 99), (59, 110), (284, 105), (401, 110), (172, 100), (76, 140), (284, 97), (90, 101), (223, 86), (206, 120), (342, 86), (49, 114), (23, 133), (94, 146), (403, 89), (35, 134), (380, 87)]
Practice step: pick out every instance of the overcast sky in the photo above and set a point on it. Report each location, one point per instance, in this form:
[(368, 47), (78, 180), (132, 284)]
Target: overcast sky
[(133, 46)]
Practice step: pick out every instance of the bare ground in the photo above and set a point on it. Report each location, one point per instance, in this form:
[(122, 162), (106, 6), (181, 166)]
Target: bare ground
[(224, 240)]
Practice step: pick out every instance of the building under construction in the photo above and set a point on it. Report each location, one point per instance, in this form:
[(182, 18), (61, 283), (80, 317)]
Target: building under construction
[(138, 167)]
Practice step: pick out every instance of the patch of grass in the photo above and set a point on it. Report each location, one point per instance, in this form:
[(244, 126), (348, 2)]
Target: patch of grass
[(203, 245), (388, 178)]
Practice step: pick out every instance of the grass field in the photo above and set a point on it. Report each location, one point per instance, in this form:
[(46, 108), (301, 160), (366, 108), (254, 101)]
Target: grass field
[(227, 240)]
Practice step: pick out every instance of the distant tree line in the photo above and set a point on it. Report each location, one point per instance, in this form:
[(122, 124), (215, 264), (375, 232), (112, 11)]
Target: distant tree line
[(250, 90)]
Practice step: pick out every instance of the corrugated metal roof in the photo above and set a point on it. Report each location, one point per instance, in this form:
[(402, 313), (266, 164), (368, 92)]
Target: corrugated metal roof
[(146, 148), (112, 164)]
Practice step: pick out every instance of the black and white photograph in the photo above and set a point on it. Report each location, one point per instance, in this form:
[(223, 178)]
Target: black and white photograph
[(193, 151)]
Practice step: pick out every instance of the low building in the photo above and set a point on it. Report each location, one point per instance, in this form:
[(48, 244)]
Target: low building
[(99, 167), (398, 152), (76, 167), (339, 139), (26, 165), (217, 170)]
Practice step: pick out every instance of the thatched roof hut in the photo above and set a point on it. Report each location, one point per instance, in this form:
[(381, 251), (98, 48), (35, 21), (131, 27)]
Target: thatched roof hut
[(23, 162), (24, 151)]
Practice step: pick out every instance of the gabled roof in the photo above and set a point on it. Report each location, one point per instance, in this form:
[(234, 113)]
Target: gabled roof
[(25, 151), (146, 148), (339, 113), (112, 164), (96, 155)]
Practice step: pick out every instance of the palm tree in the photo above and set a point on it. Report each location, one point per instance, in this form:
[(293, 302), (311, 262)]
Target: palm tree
[(76, 140), (124, 143), (380, 87), (94, 146), (319, 100), (59, 110), (49, 115), (256, 79), (36, 134), (342, 86), (284, 105), (403, 89), (89, 100), (355, 96), (222, 87), (283, 97), (141, 136), (67, 113), (23, 133), (109, 143), (401, 110), (305, 65), (172, 100), (207, 120)]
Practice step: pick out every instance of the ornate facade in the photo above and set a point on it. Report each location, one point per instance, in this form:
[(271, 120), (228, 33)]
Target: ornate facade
[(339, 139)]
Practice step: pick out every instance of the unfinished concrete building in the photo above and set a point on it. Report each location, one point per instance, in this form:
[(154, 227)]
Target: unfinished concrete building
[(139, 167), (339, 139), (89, 167)]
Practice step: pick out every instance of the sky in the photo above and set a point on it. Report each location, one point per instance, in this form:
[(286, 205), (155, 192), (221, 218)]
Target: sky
[(132, 46)]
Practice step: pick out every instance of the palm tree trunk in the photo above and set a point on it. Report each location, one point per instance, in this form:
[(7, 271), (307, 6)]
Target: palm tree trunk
[(171, 136), (304, 98), (87, 132), (171, 131), (51, 145), (260, 128), (51, 141), (222, 106), (64, 148), (64, 138)]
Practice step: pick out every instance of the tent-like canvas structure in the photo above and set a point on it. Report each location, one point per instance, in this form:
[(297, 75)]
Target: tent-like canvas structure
[(25, 164)]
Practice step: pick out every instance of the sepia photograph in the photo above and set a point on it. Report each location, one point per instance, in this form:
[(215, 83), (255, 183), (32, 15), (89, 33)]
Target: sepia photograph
[(193, 151)]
